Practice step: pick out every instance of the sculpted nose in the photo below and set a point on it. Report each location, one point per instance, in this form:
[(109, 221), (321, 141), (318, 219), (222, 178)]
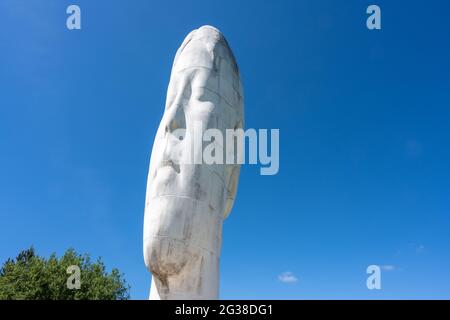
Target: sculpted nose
[(175, 119), (175, 131)]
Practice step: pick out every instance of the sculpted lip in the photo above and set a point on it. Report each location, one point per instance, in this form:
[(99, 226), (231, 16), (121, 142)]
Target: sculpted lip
[(167, 163), (170, 163), (163, 164)]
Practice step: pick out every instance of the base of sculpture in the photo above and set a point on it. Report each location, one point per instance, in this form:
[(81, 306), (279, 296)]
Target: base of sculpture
[(198, 281)]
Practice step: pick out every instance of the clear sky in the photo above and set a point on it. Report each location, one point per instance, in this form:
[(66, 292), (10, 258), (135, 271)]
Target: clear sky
[(364, 120)]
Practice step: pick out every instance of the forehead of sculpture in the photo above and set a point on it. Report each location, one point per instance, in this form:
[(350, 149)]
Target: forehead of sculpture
[(207, 48), (204, 60)]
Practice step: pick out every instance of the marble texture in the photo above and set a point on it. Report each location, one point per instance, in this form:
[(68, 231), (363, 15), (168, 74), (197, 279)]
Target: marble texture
[(187, 203)]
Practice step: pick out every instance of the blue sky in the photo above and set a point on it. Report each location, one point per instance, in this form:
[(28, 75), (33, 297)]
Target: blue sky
[(364, 121)]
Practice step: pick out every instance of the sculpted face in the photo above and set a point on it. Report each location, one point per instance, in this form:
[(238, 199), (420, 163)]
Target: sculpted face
[(186, 203)]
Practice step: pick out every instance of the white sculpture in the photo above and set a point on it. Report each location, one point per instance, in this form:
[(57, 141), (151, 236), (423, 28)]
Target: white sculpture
[(187, 203)]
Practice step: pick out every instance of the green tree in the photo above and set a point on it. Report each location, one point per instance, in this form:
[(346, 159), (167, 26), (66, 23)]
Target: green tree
[(30, 276)]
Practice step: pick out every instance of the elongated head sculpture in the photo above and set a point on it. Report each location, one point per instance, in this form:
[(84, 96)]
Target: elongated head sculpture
[(187, 198)]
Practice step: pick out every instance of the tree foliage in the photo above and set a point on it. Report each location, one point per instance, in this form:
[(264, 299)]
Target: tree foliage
[(32, 277)]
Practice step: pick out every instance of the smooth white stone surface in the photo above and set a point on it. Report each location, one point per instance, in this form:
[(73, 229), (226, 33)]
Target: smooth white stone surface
[(187, 203)]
